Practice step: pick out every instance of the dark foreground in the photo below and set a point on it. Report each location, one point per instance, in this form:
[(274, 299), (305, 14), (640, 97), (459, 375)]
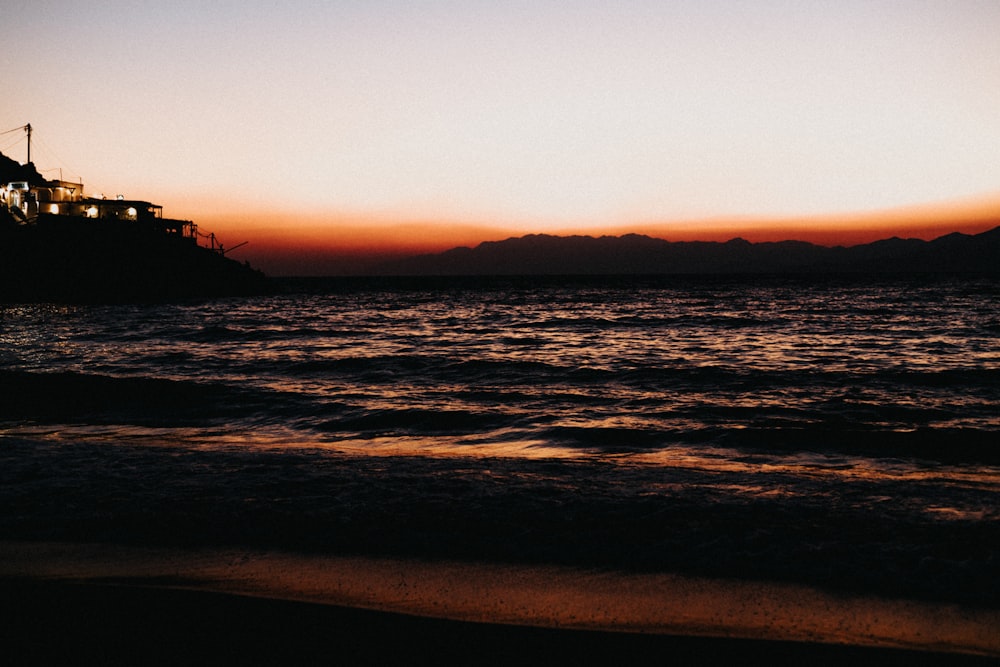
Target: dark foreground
[(45, 623), (65, 259)]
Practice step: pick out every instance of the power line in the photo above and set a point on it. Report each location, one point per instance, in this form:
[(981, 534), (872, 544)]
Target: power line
[(16, 142), (25, 128), (62, 162), (46, 149)]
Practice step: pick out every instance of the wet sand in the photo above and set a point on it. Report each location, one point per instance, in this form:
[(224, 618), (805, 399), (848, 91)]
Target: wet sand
[(63, 603), (46, 623)]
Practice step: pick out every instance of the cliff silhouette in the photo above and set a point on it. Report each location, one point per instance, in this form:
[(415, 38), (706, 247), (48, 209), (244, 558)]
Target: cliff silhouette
[(72, 258), (12, 170), (77, 260), (541, 254)]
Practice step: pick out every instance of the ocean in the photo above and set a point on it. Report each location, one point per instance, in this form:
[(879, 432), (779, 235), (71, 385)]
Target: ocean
[(842, 432)]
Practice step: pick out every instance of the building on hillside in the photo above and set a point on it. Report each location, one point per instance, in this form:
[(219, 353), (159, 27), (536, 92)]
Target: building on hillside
[(37, 200)]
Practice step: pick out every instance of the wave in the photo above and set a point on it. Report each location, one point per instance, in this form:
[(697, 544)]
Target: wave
[(421, 367), (585, 409), (94, 398), (375, 423), (879, 536), (509, 370), (890, 368)]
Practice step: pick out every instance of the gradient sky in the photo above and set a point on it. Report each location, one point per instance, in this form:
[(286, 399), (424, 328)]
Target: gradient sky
[(369, 124)]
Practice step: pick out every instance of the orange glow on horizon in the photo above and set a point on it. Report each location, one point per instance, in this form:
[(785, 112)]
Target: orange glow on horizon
[(847, 234), (283, 243), (922, 221)]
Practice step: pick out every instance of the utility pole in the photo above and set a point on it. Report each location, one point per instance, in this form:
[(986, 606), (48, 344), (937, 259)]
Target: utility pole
[(27, 128)]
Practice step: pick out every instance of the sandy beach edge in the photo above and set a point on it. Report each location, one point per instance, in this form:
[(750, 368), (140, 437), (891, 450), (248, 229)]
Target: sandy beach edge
[(537, 596)]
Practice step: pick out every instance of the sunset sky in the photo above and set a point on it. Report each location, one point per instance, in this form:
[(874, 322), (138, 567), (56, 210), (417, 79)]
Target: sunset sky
[(318, 129)]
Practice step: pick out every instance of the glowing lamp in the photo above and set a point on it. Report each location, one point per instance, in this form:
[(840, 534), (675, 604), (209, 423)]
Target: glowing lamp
[(54, 208), (131, 212), (92, 212)]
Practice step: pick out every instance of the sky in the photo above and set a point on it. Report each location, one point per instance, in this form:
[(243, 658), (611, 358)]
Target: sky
[(324, 132)]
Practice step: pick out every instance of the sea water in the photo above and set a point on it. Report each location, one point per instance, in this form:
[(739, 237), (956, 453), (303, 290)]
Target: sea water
[(838, 431)]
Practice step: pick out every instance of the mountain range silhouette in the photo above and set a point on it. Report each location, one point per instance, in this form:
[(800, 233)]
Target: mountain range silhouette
[(541, 254)]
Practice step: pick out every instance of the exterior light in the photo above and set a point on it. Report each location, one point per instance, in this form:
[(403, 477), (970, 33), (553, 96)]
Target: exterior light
[(92, 212), (54, 208)]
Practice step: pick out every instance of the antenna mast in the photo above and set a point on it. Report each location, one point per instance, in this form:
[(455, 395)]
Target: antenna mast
[(27, 128)]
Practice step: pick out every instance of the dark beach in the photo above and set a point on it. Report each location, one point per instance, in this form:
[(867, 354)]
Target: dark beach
[(45, 623), (71, 603)]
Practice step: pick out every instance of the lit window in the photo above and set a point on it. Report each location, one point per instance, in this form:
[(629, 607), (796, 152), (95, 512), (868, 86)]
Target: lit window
[(54, 208), (131, 213), (92, 212)]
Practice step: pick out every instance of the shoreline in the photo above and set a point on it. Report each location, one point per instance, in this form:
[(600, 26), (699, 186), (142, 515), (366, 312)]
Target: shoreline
[(550, 598), (49, 623)]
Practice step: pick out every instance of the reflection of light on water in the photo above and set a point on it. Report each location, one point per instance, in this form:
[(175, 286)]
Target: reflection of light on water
[(509, 444), (425, 446), (956, 513), (730, 473)]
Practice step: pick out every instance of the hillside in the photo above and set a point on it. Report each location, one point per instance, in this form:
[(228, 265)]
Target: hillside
[(77, 260), (52, 257), (636, 254)]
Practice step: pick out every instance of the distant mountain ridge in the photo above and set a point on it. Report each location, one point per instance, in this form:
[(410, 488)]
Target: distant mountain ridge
[(542, 254)]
